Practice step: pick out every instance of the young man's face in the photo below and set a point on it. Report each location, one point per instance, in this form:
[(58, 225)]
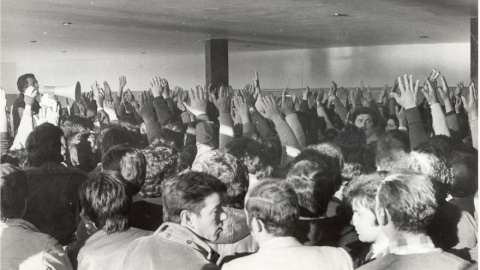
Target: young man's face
[(364, 221), (364, 121), (390, 125), (208, 224)]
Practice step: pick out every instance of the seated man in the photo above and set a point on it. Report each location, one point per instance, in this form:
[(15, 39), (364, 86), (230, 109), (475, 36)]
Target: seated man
[(272, 213), (360, 194), (192, 214), (53, 205), (23, 245), (405, 205), (107, 207)]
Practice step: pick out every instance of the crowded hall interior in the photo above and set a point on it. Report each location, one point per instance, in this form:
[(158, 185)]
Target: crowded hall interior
[(276, 134)]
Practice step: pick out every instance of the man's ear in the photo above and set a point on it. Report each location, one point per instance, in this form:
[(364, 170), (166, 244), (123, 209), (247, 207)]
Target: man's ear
[(185, 219), (256, 225), (382, 216)]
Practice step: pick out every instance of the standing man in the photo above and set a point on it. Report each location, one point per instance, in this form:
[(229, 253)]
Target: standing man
[(23, 82)]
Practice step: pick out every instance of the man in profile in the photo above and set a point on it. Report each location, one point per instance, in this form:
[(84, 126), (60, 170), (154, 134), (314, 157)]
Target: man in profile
[(272, 212), (192, 213), (23, 82), (405, 205)]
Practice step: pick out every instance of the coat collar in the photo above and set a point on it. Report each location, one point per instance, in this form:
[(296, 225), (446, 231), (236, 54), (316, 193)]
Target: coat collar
[(20, 223), (182, 235), (280, 242)]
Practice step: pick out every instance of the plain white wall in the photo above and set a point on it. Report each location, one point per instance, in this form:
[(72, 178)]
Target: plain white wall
[(375, 65)]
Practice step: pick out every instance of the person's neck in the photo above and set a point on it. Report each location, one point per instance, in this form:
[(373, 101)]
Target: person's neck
[(261, 240), (403, 235), (381, 241)]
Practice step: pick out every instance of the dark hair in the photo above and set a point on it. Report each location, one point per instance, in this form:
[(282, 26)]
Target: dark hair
[(315, 184), (439, 144), (18, 158), (231, 171), (106, 202), (161, 164), (22, 82), (131, 164), (391, 148), (465, 173), (188, 191), (409, 199), (258, 155), (14, 191), (44, 145), (113, 135), (81, 152), (275, 203), (363, 110), (395, 120)]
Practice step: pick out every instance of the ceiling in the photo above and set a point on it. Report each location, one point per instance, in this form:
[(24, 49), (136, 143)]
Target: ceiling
[(109, 28)]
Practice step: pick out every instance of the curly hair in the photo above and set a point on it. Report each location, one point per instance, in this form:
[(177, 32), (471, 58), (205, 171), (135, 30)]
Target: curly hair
[(161, 164), (258, 155)]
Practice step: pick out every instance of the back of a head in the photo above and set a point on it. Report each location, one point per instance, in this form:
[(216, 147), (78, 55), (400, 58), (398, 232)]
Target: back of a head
[(352, 141), (161, 164), (315, 184), (131, 164), (188, 191), (106, 202), (113, 135), (362, 190), (14, 192), (409, 199), (231, 171), (464, 166), (44, 145), (256, 154), (82, 151), (391, 148), (434, 166), (276, 205), (440, 144)]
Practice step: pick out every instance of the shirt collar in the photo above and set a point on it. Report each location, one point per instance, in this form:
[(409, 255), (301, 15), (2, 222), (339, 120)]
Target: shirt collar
[(412, 245), (279, 242)]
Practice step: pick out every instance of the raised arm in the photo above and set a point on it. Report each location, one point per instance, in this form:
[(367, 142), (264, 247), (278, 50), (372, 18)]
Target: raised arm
[(471, 106), (26, 123), (407, 98), (222, 102), (438, 117), (292, 120)]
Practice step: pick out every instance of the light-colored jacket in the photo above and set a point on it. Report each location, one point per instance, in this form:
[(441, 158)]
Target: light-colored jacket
[(172, 246), (104, 251), (24, 247), (287, 253)]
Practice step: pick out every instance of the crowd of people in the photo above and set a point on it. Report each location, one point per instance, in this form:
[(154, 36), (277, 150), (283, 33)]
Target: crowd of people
[(214, 177)]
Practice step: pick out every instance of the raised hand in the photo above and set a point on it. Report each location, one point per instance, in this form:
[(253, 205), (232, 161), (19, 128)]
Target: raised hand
[(458, 104), (430, 93), (223, 101), (257, 85), (144, 107), (471, 105), (287, 106), (306, 93), (400, 115), (156, 87), (270, 109), (407, 98), (198, 101), (241, 109), (443, 91), (459, 89), (107, 91), (30, 95), (165, 87), (368, 94), (122, 81), (95, 90)]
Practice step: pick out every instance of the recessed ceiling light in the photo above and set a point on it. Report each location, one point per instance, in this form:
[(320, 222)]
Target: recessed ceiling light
[(64, 51), (143, 53), (246, 45), (423, 36), (212, 35), (67, 23), (340, 15), (33, 41)]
